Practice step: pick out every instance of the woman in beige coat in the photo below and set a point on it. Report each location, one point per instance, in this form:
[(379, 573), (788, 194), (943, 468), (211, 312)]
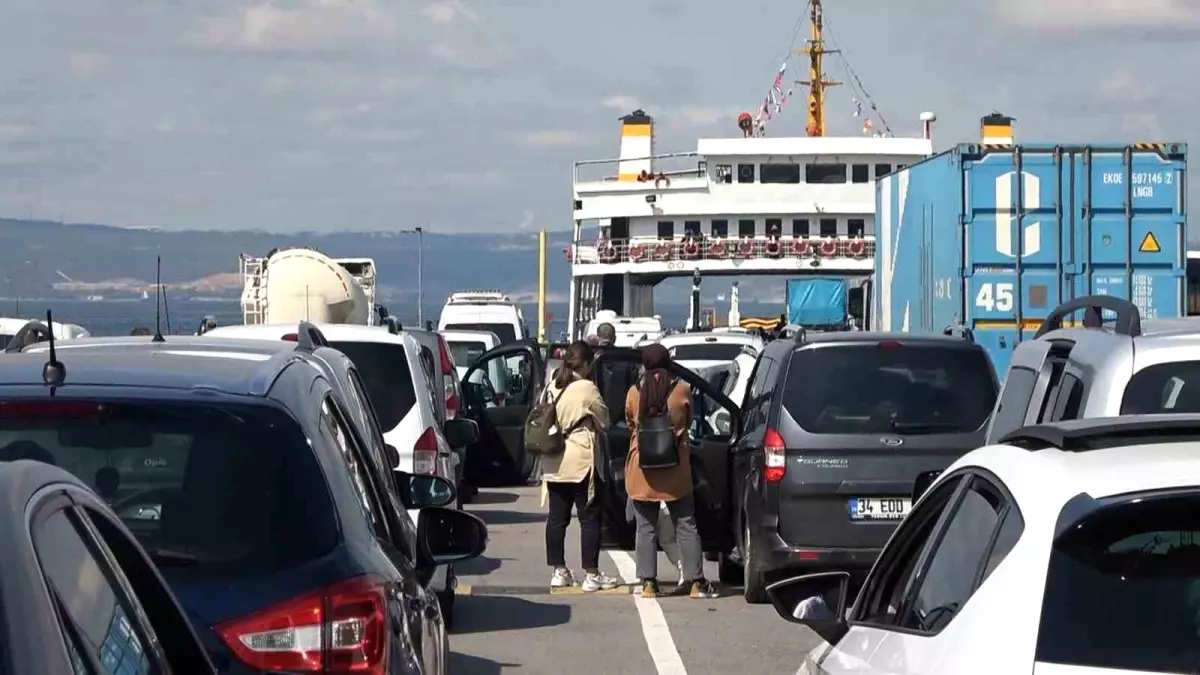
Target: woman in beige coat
[(582, 417)]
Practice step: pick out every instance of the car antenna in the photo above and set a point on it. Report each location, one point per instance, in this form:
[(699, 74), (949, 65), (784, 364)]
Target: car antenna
[(166, 310), (158, 336), (54, 373)]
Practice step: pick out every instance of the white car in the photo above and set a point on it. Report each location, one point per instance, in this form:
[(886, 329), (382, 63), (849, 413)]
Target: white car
[(710, 348), (488, 311), (467, 346), (1066, 549)]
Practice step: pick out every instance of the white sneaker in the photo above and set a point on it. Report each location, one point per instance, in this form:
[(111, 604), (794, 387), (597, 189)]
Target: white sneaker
[(562, 578), (679, 585), (599, 581)]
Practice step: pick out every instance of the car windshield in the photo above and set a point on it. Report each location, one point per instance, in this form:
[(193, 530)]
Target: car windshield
[(383, 368), (465, 353), (217, 490), (1164, 388), (504, 331), (706, 351), (890, 387), (1123, 589)]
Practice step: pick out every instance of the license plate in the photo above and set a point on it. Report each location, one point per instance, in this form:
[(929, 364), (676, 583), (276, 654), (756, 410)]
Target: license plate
[(879, 508)]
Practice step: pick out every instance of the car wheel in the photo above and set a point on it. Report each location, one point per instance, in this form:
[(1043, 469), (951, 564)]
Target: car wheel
[(754, 586)]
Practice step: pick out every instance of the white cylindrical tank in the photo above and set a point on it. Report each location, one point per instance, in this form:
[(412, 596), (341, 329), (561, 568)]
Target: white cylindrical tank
[(304, 285)]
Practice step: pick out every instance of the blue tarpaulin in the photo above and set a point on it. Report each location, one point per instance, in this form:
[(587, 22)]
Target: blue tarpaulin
[(817, 301)]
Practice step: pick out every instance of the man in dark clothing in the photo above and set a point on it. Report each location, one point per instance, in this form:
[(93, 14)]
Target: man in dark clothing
[(607, 334), (614, 378)]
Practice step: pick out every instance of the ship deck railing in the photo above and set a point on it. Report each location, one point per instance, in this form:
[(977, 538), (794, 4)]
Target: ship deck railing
[(655, 249), (671, 165)]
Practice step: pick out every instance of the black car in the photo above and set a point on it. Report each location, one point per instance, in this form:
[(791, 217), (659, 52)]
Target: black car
[(245, 481), (837, 429), (501, 430), (79, 594)]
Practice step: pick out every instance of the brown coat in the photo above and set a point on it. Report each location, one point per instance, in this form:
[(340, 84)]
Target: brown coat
[(660, 485)]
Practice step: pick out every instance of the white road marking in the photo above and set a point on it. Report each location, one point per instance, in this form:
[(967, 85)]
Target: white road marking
[(654, 624)]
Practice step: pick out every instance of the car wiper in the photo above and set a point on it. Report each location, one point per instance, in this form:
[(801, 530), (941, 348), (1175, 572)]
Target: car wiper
[(168, 558)]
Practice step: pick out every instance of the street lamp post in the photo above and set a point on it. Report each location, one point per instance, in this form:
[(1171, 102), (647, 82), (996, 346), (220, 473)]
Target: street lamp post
[(420, 232)]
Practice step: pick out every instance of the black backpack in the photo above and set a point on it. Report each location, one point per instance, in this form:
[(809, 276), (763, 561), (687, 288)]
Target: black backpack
[(542, 435), (658, 446)]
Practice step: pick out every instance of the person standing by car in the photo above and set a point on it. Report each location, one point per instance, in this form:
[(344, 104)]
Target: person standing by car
[(658, 410), (581, 417)]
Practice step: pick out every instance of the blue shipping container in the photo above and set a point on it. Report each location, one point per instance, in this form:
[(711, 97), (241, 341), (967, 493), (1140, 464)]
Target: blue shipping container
[(960, 239), (817, 301)]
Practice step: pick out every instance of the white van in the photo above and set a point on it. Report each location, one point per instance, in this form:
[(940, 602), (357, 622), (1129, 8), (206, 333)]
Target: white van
[(466, 346), (488, 311), (632, 331)]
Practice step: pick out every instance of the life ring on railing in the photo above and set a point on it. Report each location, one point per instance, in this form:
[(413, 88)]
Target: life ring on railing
[(691, 249), (661, 181), (717, 248), (772, 248), (746, 248), (828, 248), (857, 248), (608, 252), (637, 252), (644, 176), (801, 247), (662, 251)]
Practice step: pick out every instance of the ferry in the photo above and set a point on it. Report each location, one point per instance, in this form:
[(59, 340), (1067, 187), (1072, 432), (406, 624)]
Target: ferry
[(743, 206)]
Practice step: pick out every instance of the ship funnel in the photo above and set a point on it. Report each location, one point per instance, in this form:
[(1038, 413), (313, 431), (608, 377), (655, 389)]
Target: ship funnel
[(996, 129), (637, 145)]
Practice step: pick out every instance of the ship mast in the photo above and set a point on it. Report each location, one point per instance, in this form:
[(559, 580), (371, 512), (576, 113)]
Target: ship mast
[(815, 50)]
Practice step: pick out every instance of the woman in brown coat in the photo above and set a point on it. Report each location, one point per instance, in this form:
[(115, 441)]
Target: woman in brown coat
[(658, 393)]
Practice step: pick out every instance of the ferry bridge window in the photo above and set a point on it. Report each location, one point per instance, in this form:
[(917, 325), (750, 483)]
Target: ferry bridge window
[(856, 227), (829, 227), (719, 228), (666, 229), (745, 228), (774, 227), (779, 173), (860, 173), (724, 173), (745, 173), (691, 228), (882, 170), (800, 227), (825, 173)]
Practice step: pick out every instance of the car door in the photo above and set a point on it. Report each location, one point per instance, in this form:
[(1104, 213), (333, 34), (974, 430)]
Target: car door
[(710, 454), (499, 453)]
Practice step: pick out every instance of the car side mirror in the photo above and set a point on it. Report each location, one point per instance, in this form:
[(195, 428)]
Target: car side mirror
[(460, 432), (418, 491), (817, 601), (723, 423), (448, 536), (922, 483)]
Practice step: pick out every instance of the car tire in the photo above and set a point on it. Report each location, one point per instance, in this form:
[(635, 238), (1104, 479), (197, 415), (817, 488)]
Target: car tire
[(754, 585)]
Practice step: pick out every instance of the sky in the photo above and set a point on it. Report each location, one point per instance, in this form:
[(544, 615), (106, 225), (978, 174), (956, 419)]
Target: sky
[(466, 116)]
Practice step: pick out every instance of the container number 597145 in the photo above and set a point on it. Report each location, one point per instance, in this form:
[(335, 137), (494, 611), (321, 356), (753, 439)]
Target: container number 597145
[(995, 297)]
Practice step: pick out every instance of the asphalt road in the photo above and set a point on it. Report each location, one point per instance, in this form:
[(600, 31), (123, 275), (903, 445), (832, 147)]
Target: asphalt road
[(509, 622)]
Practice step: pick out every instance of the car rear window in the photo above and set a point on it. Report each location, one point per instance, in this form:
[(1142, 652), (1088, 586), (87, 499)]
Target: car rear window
[(383, 368), (465, 353), (1123, 589), (706, 351), (504, 331), (890, 387), (1163, 388), (220, 490)]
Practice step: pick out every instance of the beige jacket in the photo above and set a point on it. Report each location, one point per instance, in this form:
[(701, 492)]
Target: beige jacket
[(581, 408)]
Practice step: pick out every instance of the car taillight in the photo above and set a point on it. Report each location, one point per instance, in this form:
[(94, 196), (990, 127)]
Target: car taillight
[(448, 379), (52, 408), (425, 453), (775, 456), (349, 617)]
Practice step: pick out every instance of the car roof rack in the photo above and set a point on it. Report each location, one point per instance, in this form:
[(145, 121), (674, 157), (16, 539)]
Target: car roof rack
[(31, 333), (309, 338), (960, 331), (1106, 432), (1129, 319)]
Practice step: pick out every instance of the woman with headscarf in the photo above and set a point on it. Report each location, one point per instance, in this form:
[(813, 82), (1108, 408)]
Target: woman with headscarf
[(581, 417), (656, 396)]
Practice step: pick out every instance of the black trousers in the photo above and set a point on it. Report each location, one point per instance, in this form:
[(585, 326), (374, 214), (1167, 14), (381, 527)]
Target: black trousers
[(562, 496)]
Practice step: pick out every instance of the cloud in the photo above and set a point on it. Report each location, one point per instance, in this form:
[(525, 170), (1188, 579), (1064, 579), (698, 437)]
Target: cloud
[(86, 64), (556, 138), (621, 102), (316, 25), (1074, 15)]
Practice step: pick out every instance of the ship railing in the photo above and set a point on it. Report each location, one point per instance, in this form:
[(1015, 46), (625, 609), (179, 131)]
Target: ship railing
[(653, 249), (670, 165)]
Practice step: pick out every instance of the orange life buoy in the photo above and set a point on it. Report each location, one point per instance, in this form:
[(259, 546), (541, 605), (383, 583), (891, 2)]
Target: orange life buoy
[(608, 252), (716, 248), (746, 248), (858, 248), (644, 176), (828, 248), (691, 249), (637, 252), (801, 246), (662, 251), (661, 182), (772, 248)]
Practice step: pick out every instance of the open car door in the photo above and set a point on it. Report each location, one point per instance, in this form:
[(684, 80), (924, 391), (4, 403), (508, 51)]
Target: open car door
[(711, 458), (499, 389)]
